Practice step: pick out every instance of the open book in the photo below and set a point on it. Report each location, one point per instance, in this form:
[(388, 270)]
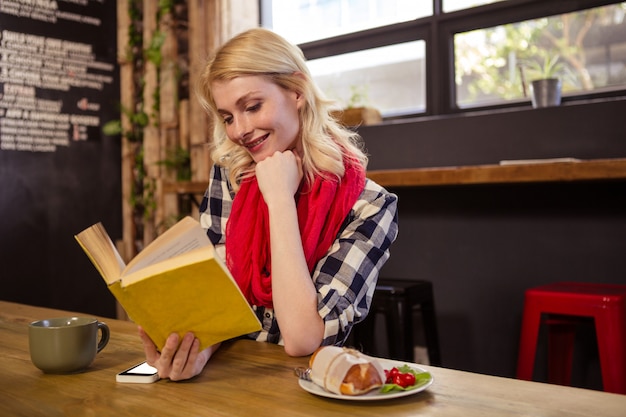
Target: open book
[(176, 284)]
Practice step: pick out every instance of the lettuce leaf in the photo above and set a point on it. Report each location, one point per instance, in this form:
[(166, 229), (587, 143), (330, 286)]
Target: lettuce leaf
[(421, 378)]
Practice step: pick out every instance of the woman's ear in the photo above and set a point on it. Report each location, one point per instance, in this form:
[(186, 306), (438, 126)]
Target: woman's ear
[(299, 95), (299, 100)]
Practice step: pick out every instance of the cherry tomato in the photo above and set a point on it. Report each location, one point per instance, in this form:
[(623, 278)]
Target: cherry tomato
[(407, 380), (394, 376), (398, 380), (390, 374)]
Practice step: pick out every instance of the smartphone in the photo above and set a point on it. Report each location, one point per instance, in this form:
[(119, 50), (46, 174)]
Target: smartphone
[(139, 374)]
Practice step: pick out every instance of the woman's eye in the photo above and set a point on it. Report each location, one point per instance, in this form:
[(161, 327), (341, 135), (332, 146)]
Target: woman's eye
[(254, 107), (228, 120)]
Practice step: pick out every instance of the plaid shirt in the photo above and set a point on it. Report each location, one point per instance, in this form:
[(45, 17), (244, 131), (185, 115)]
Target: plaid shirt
[(345, 278)]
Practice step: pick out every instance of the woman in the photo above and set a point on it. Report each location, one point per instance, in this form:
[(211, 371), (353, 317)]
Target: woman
[(302, 230)]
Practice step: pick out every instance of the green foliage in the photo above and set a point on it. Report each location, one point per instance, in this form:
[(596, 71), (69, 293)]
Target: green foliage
[(112, 128), (178, 159), (153, 52), (165, 6), (550, 68), (138, 120), (358, 96), (149, 200), (144, 188), (135, 37)]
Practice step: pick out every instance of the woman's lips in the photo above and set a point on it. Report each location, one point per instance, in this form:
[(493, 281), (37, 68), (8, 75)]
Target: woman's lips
[(256, 142)]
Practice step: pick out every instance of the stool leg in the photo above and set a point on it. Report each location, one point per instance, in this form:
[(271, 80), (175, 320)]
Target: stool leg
[(364, 333), (399, 328), (430, 332), (611, 334), (561, 336), (408, 346), (528, 340)]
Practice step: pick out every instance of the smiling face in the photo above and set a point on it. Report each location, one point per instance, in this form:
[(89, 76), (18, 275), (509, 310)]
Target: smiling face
[(258, 114)]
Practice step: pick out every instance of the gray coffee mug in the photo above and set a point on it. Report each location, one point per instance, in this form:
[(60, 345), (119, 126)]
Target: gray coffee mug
[(66, 344)]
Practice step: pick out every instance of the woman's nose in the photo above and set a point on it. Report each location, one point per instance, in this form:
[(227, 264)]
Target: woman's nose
[(241, 129)]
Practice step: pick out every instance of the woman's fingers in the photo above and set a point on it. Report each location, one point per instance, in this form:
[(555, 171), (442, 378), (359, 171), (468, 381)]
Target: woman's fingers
[(279, 175), (181, 360), (176, 361), (150, 350)]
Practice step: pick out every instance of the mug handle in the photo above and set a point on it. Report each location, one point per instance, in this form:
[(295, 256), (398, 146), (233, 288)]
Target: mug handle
[(104, 335)]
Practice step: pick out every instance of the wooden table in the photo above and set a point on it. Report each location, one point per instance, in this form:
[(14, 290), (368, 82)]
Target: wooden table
[(248, 378)]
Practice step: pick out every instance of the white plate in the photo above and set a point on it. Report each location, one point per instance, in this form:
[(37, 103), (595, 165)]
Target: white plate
[(313, 388)]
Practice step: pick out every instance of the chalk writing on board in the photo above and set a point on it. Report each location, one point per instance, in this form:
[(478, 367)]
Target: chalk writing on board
[(50, 86)]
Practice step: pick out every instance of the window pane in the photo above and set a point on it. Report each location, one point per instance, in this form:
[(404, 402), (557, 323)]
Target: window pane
[(590, 46), (452, 5), (306, 20), (390, 78)]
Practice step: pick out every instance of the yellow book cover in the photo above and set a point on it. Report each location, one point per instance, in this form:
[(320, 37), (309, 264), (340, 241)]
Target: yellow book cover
[(176, 284)]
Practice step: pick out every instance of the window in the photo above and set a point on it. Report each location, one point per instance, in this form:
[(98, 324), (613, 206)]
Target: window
[(309, 20), (453, 5), (409, 58), (586, 49), (363, 77)]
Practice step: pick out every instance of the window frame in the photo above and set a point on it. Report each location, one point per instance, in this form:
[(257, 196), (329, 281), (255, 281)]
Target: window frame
[(438, 31)]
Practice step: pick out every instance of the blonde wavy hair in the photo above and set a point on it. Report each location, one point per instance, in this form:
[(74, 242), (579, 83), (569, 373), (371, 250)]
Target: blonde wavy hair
[(261, 52)]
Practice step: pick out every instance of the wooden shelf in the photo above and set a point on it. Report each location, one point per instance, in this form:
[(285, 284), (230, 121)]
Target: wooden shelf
[(586, 170), (599, 169), (185, 187)]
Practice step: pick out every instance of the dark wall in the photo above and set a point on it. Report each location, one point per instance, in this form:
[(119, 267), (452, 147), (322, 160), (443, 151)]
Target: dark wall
[(46, 198), (48, 194), (585, 131), (483, 245)]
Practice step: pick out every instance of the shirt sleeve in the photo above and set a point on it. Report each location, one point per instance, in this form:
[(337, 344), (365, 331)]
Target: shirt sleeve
[(216, 205), (346, 277)]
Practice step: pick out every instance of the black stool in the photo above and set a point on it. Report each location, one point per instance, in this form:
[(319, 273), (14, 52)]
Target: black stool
[(396, 300)]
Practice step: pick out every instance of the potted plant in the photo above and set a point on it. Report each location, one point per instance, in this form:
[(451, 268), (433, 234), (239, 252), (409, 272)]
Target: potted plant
[(357, 112), (545, 82)]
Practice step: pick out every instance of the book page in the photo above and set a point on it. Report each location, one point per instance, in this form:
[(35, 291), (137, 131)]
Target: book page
[(100, 249), (169, 264), (183, 237)]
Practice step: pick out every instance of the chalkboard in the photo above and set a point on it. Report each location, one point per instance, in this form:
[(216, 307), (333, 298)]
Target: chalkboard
[(59, 173)]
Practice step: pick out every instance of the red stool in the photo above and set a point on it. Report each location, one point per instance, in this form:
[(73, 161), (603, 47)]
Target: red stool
[(568, 303)]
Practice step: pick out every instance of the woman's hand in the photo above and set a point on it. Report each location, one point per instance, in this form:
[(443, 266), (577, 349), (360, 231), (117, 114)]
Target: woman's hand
[(177, 362), (279, 176)]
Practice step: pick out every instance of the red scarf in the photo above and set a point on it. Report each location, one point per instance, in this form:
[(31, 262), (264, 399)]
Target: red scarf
[(322, 208)]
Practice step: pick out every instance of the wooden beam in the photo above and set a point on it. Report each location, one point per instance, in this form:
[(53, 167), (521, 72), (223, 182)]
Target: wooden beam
[(127, 94)]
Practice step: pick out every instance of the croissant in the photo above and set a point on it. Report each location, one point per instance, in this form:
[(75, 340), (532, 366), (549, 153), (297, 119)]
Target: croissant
[(345, 371)]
